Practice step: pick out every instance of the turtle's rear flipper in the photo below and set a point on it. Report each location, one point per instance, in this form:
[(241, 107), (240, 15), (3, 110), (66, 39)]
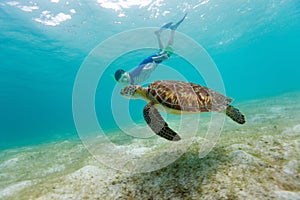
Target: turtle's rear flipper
[(158, 124), (235, 115)]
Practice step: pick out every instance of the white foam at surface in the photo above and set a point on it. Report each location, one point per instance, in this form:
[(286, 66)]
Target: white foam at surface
[(28, 8), (13, 3), (119, 5), (49, 19), (24, 8)]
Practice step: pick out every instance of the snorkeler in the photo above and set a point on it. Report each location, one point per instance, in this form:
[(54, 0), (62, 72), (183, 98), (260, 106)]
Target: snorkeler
[(148, 65)]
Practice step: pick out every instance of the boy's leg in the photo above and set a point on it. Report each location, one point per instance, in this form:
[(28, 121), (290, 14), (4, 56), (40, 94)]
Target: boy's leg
[(158, 32), (173, 27), (160, 43), (171, 38)]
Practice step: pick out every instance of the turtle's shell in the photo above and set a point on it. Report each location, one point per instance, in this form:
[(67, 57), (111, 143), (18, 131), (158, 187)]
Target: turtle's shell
[(186, 96)]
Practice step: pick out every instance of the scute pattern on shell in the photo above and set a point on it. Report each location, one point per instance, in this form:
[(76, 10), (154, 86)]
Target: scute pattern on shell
[(187, 96)]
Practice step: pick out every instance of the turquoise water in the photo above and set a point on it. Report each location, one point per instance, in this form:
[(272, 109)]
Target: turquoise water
[(254, 45), (44, 45)]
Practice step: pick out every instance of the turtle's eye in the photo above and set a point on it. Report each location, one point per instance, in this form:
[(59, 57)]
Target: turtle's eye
[(128, 91), (132, 90)]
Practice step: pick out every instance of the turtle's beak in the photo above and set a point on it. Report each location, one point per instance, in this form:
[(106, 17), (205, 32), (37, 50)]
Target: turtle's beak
[(123, 92)]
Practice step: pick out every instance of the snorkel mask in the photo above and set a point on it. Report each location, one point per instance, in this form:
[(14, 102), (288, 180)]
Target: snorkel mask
[(122, 77)]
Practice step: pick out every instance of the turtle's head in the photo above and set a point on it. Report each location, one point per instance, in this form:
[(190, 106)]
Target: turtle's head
[(132, 92)]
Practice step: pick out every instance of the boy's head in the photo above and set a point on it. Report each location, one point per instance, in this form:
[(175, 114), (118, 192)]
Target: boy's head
[(122, 77)]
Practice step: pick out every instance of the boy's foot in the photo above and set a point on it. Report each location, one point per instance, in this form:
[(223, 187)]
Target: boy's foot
[(174, 26)]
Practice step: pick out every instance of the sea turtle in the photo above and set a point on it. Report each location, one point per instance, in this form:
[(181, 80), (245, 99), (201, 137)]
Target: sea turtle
[(177, 97)]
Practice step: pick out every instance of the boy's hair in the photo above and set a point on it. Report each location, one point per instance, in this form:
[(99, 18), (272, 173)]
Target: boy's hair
[(118, 74)]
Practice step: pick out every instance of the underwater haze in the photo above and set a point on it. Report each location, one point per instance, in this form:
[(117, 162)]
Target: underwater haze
[(43, 45)]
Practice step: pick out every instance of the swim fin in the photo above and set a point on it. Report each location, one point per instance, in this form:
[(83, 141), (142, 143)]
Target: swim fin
[(167, 25), (163, 27), (174, 26)]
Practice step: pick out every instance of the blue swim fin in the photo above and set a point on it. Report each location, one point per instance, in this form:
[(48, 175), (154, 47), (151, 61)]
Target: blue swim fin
[(174, 26), (167, 25), (163, 27)]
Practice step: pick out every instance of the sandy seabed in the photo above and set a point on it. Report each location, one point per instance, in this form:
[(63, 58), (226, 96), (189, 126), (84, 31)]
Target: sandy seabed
[(259, 160)]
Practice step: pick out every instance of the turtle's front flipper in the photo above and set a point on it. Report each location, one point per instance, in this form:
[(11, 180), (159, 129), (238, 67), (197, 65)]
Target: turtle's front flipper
[(158, 124)]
